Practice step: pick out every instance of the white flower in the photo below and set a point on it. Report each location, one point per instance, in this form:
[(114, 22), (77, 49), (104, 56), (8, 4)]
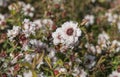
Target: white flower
[(90, 19), (112, 18), (57, 36), (90, 47), (115, 46), (114, 42), (89, 61), (12, 7), (114, 74), (103, 39), (70, 32), (13, 33), (47, 23), (28, 10), (38, 23), (29, 27), (28, 58), (27, 74)]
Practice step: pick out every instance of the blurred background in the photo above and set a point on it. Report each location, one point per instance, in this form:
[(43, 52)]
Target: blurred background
[(100, 14)]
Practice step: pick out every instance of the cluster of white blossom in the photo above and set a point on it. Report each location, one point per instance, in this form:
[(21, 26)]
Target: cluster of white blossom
[(44, 24), (13, 33), (23, 32), (27, 9), (113, 18), (28, 27), (102, 43)]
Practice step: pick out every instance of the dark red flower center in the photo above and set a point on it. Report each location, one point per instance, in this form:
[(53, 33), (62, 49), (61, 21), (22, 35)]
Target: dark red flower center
[(70, 31), (3, 23), (29, 10), (22, 37), (58, 37), (16, 67), (56, 72), (118, 70), (88, 61)]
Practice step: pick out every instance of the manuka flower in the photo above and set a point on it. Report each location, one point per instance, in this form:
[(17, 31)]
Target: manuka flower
[(90, 19), (57, 36), (103, 39), (28, 10), (70, 32)]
